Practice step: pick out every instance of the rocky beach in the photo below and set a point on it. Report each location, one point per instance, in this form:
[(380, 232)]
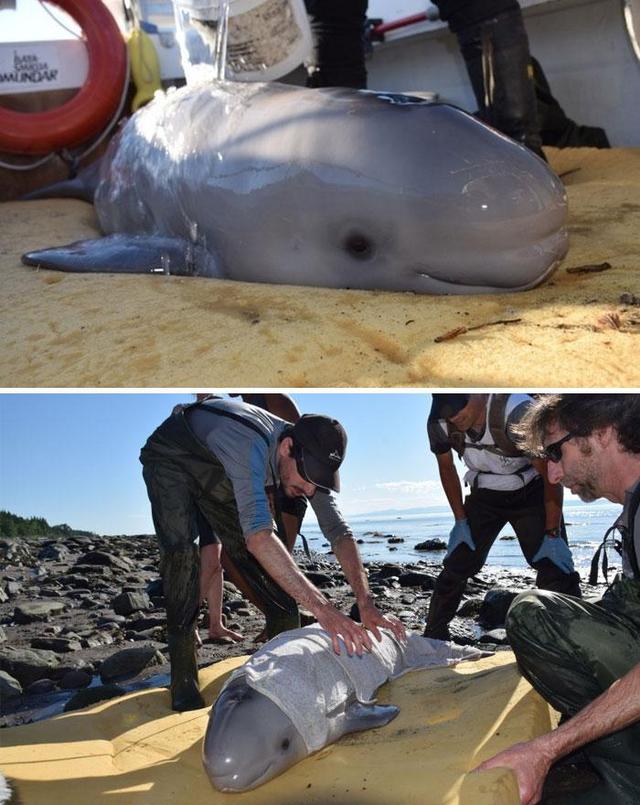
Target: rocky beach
[(82, 617)]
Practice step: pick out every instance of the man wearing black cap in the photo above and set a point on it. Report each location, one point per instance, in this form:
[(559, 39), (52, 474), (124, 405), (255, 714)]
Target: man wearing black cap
[(226, 458)]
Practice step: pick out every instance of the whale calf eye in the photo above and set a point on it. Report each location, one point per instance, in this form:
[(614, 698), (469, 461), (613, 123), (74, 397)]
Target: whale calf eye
[(358, 245), (285, 744)]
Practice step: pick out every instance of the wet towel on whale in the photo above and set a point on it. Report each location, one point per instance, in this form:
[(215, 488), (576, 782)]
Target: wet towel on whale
[(299, 671)]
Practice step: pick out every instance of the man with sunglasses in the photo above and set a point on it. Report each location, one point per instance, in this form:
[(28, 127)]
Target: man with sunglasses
[(506, 486), (225, 458), (583, 657)]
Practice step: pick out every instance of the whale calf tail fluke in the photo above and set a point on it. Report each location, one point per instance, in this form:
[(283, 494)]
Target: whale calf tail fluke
[(82, 186)]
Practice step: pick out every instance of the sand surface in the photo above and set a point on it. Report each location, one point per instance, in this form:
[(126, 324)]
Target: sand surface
[(134, 751), (148, 331)]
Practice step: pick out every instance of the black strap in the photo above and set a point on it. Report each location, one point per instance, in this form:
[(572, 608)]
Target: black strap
[(497, 421), (608, 541), (305, 544), (280, 529), (628, 534)]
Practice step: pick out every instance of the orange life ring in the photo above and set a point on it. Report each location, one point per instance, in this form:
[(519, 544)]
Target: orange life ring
[(86, 114)]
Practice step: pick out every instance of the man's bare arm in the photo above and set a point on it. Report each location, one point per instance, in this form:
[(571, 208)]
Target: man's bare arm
[(275, 559), (347, 554), (451, 484), (553, 494), (616, 708)]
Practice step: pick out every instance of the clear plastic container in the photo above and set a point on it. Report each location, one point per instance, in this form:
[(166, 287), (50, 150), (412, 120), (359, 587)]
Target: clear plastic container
[(265, 40)]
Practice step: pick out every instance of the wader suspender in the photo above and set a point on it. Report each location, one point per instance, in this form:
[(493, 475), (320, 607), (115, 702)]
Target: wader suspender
[(628, 535), (626, 542), (249, 424), (503, 446)]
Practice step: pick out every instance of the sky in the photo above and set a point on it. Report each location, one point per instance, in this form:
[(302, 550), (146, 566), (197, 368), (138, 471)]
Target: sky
[(73, 458)]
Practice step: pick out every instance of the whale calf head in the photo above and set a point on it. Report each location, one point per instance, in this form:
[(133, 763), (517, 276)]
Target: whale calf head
[(249, 740), (358, 190)]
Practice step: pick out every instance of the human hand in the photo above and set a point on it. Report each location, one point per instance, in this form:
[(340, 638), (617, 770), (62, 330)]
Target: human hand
[(374, 620), (337, 624), (460, 533), (529, 766), (556, 550)]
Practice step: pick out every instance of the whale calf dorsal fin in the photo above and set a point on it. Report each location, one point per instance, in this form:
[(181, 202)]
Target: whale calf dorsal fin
[(127, 254)]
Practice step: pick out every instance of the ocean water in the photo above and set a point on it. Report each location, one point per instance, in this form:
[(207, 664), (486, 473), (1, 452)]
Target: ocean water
[(586, 525)]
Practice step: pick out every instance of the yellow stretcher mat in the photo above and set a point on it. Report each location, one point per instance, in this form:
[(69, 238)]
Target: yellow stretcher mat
[(133, 750)]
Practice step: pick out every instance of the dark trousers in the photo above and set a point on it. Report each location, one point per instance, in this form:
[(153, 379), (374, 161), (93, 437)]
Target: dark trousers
[(488, 511), (337, 28), (182, 478), (571, 651)]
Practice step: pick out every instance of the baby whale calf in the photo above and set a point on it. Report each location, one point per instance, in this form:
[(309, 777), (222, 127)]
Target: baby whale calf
[(328, 187), (295, 696)]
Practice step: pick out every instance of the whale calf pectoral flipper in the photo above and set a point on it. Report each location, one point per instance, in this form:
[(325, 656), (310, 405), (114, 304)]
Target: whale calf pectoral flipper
[(128, 254), (359, 716)]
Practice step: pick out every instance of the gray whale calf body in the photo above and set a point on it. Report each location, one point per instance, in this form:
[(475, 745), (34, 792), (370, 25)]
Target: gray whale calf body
[(295, 696), (331, 187)]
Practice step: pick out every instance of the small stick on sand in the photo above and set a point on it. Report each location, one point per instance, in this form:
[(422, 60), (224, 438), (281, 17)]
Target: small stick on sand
[(462, 330), (589, 269)]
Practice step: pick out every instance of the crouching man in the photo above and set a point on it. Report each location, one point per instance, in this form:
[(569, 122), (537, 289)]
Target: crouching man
[(225, 459), (584, 658)]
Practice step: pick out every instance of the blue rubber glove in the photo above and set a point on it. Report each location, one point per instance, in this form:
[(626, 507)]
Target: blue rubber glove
[(460, 533), (557, 551)]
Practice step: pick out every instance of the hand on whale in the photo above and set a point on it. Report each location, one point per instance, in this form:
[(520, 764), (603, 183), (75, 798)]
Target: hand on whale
[(330, 187), (295, 696)]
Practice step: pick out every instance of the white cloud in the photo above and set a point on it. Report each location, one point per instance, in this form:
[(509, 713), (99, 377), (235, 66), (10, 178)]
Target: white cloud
[(412, 487), (391, 495)]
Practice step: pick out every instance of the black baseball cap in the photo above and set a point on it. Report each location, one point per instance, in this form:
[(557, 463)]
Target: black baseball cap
[(319, 445), (444, 406)]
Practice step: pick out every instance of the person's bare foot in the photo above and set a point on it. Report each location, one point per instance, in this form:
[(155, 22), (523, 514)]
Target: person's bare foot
[(219, 632)]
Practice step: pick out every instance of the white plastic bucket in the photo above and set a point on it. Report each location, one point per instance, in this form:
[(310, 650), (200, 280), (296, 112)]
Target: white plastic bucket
[(266, 38)]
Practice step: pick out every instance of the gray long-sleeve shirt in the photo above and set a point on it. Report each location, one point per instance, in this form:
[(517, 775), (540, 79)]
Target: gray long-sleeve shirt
[(245, 439)]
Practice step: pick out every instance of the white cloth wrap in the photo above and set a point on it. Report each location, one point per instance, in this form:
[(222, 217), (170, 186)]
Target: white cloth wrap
[(299, 671)]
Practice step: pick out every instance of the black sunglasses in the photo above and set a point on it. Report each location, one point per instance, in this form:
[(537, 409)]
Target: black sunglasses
[(553, 451)]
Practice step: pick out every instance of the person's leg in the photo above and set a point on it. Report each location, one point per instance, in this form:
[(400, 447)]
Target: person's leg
[(211, 591), (528, 521), (571, 651), (337, 59), (494, 45), (485, 522), (280, 609), (211, 579), (173, 514)]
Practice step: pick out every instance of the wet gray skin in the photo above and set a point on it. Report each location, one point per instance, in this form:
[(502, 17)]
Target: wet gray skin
[(336, 188), (249, 740)]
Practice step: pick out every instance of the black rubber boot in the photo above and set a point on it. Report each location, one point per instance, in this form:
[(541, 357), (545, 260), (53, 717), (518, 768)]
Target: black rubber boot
[(496, 53), (180, 569), (443, 606), (555, 127), (185, 694)]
